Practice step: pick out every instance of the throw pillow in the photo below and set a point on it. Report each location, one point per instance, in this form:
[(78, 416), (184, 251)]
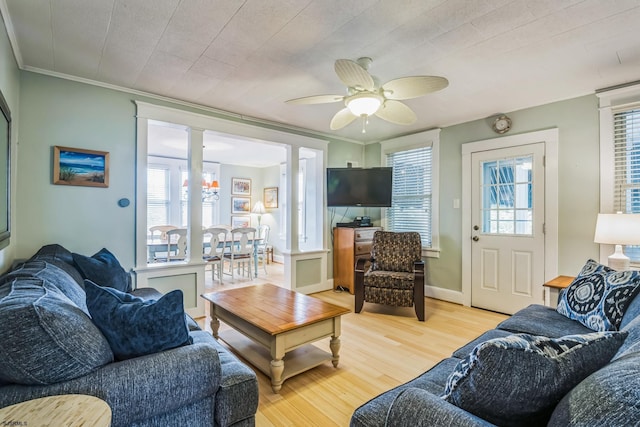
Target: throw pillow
[(135, 327), (599, 296), (518, 380), (45, 338), (104, 269)]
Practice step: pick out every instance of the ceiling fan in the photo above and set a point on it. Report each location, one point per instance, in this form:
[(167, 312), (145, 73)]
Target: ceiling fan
[(365, 96)]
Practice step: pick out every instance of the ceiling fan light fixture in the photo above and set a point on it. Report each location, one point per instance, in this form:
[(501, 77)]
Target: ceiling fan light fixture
[(364, 104)]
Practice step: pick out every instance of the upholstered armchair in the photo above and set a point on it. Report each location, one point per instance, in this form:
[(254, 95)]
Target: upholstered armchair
[(396, 274)]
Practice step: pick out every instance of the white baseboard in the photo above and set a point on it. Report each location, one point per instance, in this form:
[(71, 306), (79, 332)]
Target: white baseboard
[(443, 294)]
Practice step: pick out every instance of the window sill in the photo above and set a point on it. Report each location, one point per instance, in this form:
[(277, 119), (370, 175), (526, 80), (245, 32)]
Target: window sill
[(431, 252)]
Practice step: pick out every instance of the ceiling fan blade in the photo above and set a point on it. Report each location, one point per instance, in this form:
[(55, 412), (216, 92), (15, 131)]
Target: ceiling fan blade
[(396, 112), (413, 87), (316, 99), (341, 119), (353, 75)]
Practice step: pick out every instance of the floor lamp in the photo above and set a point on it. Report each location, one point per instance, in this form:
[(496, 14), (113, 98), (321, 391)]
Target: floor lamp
[(618, 229)]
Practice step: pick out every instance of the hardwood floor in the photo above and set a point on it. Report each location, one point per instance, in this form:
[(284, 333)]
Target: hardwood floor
[(382, 347)]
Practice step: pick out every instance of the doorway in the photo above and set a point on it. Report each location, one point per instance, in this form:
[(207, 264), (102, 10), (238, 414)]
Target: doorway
[(509, 220)]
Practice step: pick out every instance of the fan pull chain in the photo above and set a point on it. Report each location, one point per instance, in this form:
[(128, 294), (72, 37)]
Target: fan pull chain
[(365, 121)]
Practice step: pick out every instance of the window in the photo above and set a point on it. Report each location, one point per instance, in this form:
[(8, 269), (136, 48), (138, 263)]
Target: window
[(626, 147), (620, 156), (158, 195), (414, 202)]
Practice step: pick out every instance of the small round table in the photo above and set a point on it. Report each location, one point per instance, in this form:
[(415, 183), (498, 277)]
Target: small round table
[(69, 410)]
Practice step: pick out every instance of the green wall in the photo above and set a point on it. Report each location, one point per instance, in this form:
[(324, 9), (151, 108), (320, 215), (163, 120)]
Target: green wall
[(54, 111), (578, 123)]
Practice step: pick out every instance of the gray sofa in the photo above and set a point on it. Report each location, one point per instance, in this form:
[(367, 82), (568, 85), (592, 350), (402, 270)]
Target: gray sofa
[(49, 346), (605, 394)]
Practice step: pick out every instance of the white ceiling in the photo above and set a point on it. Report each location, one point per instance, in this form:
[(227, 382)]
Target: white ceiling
[(249, 56)]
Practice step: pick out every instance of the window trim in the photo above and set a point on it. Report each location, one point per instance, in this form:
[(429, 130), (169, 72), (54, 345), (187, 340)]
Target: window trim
[(611, 100), (420, 140)]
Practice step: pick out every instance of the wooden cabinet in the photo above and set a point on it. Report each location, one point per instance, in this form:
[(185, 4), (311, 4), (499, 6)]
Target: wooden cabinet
[(349, 244)]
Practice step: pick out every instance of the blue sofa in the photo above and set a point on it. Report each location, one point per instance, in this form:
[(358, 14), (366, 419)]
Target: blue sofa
[(607, 393), (50, 346)]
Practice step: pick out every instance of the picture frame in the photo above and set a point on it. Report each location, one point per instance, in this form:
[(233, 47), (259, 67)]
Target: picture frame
[(240, 221), (241, 205), (77, 166), (240, 186), (270, 197)]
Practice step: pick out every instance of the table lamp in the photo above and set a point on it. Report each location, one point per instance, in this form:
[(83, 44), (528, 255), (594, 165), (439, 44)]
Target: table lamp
[(618, 229), (259, 209)]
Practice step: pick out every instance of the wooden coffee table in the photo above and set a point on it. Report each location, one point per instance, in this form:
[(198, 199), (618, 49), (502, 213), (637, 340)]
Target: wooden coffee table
[(277, 328)]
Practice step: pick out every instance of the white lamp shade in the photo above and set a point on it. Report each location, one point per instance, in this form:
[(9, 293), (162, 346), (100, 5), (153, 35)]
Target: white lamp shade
[(618, 229), (258, 208), (364, 104)]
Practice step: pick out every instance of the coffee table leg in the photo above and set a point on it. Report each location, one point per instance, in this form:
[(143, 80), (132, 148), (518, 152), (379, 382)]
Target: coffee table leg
[(277, 368), (334, 345), (215, 323)]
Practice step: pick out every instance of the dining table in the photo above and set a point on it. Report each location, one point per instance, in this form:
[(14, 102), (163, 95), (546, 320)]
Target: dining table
[(158, 245)]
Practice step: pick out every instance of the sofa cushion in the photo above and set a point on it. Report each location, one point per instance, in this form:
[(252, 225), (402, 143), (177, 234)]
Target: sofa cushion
[(517, 380), (135, 327), (61, 258), (607, 398), (53, 275), (599, 296), (103, 269), (45, 338), (537, 319)]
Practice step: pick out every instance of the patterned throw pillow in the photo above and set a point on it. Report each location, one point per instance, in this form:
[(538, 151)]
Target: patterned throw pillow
[(519, 379), (599, 296)]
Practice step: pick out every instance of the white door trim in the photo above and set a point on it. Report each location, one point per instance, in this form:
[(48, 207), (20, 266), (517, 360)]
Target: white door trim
[(551, 139)]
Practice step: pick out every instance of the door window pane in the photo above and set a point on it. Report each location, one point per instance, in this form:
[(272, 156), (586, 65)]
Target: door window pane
[(507, 190)]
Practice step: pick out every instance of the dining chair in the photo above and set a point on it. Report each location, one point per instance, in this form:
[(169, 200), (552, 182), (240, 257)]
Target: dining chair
[(240, 253), (217, 238), (160, 231), (177, 244), (263, 245)]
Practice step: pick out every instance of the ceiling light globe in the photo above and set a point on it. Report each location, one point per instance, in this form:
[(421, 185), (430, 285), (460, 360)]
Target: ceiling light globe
[(364, 104)]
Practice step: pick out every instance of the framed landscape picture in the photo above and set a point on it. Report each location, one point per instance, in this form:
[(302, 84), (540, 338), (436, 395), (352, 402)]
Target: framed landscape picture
[(240, 205), (240, 221), (271, 197), (76, 166), (240, 186)]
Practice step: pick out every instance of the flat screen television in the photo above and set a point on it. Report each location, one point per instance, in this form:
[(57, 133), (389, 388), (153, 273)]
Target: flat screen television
[(370, 187)]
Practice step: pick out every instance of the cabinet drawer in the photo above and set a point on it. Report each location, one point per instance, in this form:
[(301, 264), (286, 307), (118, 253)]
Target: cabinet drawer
[(362, 248), (362, 234)]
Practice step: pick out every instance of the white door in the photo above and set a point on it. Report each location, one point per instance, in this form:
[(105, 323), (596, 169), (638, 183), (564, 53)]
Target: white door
[(507, 212)]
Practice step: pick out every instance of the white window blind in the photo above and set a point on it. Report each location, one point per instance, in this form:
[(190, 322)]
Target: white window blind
[(626, 141), (411, 202), (158, 196)]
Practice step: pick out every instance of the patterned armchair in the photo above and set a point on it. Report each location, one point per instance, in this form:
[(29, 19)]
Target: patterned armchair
[(396, 274)]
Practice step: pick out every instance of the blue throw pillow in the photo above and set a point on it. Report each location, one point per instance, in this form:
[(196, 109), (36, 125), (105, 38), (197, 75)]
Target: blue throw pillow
[(135, 327), (599, 296), (103, 269), (519, 379)]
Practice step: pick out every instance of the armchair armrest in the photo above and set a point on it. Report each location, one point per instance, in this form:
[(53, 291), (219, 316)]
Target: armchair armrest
[(358, 283), (139, 388), (415, 407)]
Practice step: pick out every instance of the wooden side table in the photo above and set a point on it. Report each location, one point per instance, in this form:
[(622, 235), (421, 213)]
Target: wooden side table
[(553, 287), (69, 410)]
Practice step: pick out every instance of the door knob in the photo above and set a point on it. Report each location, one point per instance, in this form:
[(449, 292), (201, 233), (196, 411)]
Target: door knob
[(475, 238), (475, 227)]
